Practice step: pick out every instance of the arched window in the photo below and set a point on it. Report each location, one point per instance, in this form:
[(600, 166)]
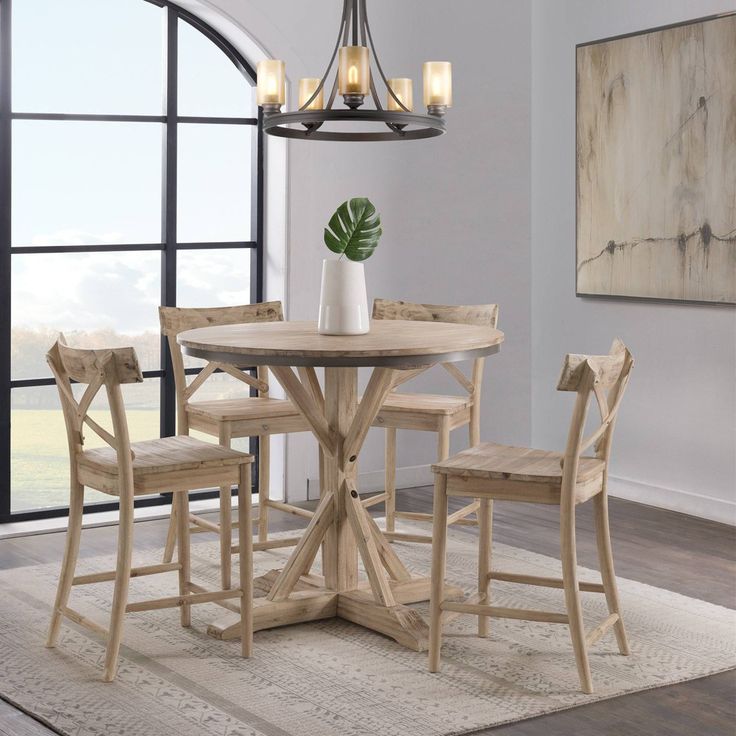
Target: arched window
[(130, 176)]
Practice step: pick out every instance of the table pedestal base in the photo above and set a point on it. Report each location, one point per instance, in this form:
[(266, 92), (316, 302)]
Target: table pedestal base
[(311, 601), (340, 526)]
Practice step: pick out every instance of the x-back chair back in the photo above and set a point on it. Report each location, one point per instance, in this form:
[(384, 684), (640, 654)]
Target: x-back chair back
[(483, 315), (420, 411), (604, 377), (96, 369), (177, 319)]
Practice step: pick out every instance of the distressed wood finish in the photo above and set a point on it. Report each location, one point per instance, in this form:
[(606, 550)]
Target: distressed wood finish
[(341, 524), (227, 419), (391, 344), (496, 472), (173, 464), (431, 412), (483, 315)]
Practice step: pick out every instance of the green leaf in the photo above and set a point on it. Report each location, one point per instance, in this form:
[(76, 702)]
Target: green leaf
[(354, 230)]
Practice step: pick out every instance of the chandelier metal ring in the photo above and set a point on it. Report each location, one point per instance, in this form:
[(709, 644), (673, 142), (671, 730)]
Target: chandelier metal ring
[(428, 126)]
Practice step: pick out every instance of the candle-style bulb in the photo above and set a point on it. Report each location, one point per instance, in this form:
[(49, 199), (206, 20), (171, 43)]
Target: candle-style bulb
[(307, 87), (437, 86), (271, 86), (402, 88), (353, 75)]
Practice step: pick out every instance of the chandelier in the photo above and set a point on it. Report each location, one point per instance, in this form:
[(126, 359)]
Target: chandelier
[(353, 81)]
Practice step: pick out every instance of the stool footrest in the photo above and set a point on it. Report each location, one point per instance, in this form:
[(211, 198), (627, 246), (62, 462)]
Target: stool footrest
[(269, 544), (179, 600), (404, 537), (287, 508), (234, 607), (204, 524), (594, 634), (460, 514), (135, 572), (413, 515), (235, 525), (374, 500), (510, 577), (523, 614), (78, 618)]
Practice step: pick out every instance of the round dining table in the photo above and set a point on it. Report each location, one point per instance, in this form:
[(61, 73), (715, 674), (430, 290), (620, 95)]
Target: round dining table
[(341, 524)]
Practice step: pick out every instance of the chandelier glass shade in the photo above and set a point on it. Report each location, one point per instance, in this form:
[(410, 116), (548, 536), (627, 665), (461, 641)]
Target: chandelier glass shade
[(349, 74)]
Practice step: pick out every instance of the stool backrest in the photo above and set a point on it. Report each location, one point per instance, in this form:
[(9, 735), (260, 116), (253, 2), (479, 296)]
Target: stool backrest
[(485, 315), (108, 367), (606, 378), (178, 319)]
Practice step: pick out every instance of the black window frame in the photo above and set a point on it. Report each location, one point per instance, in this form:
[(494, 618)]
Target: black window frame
[(169, 246)]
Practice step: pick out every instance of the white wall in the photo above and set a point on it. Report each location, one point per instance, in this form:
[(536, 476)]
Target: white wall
[(457, 216), (676, 439), (455, 209)]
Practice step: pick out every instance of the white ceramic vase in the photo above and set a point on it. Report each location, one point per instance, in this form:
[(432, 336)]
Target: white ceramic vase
[(343, 303)]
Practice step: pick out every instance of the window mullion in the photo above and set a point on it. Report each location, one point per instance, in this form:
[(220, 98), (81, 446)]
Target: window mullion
[(5, 257), (168, 215)]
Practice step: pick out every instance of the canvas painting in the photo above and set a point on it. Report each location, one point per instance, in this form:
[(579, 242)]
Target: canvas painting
[(656, 164)]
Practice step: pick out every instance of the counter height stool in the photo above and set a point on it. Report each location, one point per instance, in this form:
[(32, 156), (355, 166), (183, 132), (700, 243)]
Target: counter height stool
[(430, 412), (173, 465), (226, 419), (491, 471)]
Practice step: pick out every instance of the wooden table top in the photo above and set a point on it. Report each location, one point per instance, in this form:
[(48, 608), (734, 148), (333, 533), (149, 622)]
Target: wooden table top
[(394, 343)]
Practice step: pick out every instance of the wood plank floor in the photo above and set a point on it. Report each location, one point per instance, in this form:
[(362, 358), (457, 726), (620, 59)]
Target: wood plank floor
[(681, 553)]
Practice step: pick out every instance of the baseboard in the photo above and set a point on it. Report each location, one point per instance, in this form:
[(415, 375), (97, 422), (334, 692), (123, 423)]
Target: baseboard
[(686, 502), (408, 477), (673, 499)]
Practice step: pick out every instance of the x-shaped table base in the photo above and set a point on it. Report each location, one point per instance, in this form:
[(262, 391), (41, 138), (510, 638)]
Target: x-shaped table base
[(341, 525)]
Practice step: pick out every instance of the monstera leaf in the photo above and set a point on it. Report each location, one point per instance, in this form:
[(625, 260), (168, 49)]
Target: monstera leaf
[(354, 230)]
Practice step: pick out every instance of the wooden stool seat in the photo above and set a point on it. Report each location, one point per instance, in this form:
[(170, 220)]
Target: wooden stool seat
[(254, 407), (154, 457), (504, 462), (490, 472), (424, 404)]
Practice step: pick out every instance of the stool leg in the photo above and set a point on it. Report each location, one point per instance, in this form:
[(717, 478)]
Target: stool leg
[(226, 537), (182, 499), (71, 551), (264, 481), (170, 535), (572, 593), (390, 479), (485, 520), (443, 439), (439, 512), (226, 520), (122, 580), (605, 557), (245, 553)]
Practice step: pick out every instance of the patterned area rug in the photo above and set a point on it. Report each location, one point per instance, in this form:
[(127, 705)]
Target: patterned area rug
[(332, 678)]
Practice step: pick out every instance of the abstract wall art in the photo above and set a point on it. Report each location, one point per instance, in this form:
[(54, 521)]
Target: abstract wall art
[(656, 163)]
